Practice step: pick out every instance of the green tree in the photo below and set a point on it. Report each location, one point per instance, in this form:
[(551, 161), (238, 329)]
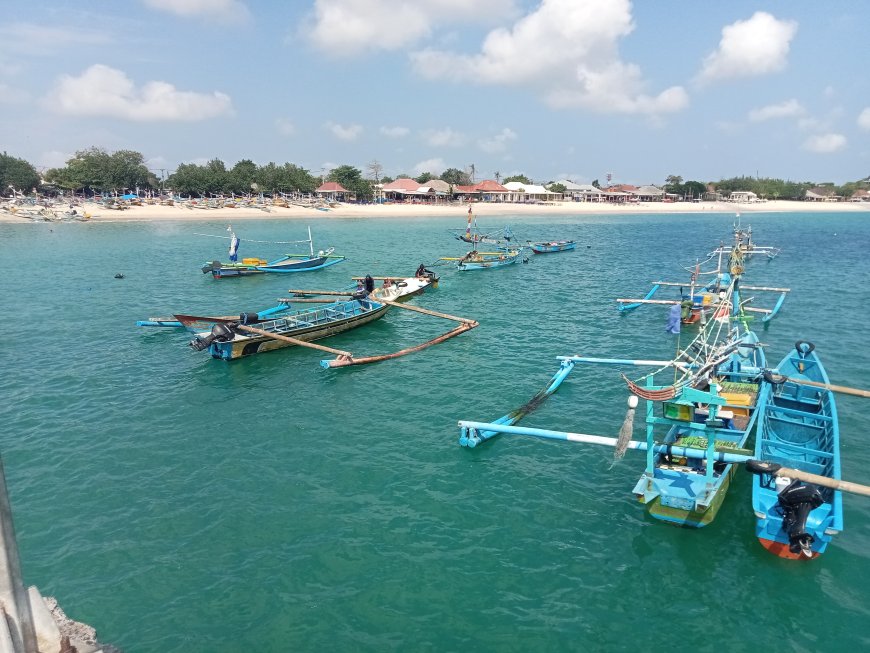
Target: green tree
[(557, 188), (456, 177), (426, 176), (692, 189), (351, 178), (242, 178), (595, 183), (97, 170), (17, 173), (520, 178)]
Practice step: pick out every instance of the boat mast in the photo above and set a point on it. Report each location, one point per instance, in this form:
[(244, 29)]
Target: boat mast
[(310, 242)]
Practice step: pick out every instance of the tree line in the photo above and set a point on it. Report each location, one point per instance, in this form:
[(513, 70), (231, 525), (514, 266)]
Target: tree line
[(97, 171)]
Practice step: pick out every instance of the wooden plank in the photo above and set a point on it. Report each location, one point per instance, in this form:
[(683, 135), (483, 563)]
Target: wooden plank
[(426, 311)]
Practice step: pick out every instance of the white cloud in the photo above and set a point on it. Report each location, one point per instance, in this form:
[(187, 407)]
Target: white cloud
[(864, 119), (346, 27), (756, 46), (566, 50), (12, 95), (499, 142), (433, 166), (443, 137), (45, 40), (825, 143), (221, 11), (107, 92), (285, 127), (345, 132), (788, 109), (395, 132)]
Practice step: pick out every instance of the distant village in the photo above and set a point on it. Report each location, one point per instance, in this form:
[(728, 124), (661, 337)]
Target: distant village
[(435, 191)]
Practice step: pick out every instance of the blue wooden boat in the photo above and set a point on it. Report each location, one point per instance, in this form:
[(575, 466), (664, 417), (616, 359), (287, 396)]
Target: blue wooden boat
[(701, 296), (230, 339), (475, 260), (692, 427), (797, 428), (553, 246), (285, 264)]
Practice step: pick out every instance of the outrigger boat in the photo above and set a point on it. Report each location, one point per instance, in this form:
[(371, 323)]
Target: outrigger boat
[(233, 339), (287, 263), (553, 246), (704, 299), (743, 241), (475, 260), (472, 234), (707, 410), (797, 427)]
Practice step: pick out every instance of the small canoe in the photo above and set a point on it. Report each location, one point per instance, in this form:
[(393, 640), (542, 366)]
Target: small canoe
[(553, 246), (797, 428)]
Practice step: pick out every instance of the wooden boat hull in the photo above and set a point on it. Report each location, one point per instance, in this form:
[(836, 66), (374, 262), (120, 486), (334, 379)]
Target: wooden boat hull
[(307, 326), (549, 248), (797, 428), (487, 262)]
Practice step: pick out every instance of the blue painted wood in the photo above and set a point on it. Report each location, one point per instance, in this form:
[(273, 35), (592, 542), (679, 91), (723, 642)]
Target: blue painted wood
[(798, 428)]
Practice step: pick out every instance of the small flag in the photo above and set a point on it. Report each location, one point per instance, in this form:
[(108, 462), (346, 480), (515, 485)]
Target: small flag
[(234, 247)]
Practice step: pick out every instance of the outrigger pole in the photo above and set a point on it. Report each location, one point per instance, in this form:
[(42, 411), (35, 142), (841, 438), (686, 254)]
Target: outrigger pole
[(465, 325), (469, 430)]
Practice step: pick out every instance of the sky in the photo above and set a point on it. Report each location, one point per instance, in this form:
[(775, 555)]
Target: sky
[(551, 89)]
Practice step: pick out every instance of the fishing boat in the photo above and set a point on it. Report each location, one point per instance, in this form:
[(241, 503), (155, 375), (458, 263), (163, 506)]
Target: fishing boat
[(475, 260), (743, 241), (230, 339), (705, 410), (233, 339), (798, 428), (287, 263), (553, 246), (702, 295), (472, 233)]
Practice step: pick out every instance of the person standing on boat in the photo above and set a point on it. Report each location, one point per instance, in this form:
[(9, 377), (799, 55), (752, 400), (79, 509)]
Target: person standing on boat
[(234, 245)]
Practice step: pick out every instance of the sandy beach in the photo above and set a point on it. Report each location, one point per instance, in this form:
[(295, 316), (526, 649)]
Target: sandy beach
[(99, 213)]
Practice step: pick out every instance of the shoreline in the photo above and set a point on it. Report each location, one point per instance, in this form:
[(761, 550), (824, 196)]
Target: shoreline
[(154, 213)]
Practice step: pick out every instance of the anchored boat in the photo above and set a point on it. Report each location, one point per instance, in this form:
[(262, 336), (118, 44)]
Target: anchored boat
[(798, 428), (553, 246), (287, 263), (475, 260)]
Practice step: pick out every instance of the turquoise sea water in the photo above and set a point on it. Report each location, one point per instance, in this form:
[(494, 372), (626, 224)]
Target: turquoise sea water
[(180, 503)]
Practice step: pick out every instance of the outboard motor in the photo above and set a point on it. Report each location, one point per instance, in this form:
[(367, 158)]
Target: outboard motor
[(796, 501), (249, 318), (220, 332)]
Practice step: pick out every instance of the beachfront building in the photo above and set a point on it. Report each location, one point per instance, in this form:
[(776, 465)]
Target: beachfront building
[(649, 194), (581, 192), (743, 196), (407, 190), (529, 193), (491, 191), (821, 194), (332, 191), (860, 195)]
